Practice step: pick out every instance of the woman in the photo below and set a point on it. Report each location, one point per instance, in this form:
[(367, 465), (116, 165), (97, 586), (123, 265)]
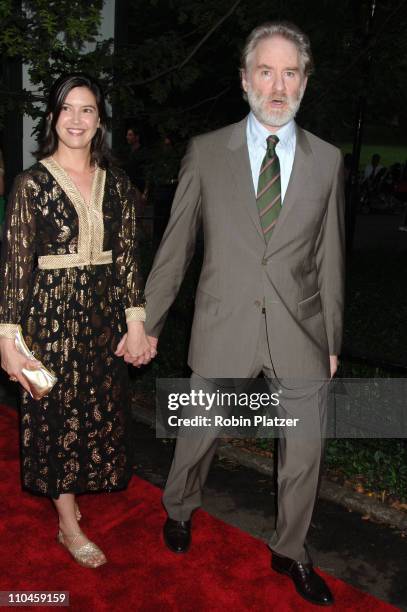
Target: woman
[(81, 308)]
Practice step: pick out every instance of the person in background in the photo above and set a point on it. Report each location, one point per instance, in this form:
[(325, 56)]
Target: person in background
[(2, 213), (135, 168), (372, 168), (163, 181), (2, 199), (135, 162), (81, 308)]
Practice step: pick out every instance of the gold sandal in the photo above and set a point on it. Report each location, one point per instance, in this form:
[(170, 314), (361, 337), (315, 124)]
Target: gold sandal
[(87, 555)]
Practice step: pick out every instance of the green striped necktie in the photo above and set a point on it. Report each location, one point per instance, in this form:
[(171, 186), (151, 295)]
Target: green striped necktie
[(269, 189)]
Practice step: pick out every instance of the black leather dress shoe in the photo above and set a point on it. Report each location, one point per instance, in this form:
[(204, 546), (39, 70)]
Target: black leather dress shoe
[(308, 584), (177, 535)]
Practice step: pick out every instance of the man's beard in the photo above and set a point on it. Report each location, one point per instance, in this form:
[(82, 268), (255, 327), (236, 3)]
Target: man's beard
[(276, 118)]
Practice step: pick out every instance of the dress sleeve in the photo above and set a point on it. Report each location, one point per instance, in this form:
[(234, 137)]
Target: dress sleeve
[(127, 254), (17, 256)]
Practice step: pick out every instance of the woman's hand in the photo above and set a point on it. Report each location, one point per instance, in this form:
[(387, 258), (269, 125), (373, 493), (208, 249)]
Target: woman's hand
[(12, 362), (135, 346)]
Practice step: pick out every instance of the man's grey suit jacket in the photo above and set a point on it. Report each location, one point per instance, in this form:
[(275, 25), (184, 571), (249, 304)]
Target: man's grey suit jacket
[(298, 275)]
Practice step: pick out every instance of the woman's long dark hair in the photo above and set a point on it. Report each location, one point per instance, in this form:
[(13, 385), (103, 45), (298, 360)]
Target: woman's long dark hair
[(48, 139)]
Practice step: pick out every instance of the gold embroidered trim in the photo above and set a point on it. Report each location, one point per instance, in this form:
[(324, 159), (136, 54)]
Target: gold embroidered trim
[(137, 313), (8, 330), (72, 260), (90, 221)]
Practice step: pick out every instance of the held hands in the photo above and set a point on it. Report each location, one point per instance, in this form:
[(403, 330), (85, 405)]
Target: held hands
[(13, 362), (135, 347)]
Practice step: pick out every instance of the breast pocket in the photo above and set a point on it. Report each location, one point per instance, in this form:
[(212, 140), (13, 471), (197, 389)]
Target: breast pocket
[(310, 306)]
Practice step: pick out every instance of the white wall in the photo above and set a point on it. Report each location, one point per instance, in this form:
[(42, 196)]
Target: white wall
[(106, 31)]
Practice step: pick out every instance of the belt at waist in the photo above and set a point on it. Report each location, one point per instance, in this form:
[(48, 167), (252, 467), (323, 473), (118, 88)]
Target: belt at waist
[(73, 260)]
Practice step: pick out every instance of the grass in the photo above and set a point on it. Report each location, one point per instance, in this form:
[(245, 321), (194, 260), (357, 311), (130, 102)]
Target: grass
[(390, 154)]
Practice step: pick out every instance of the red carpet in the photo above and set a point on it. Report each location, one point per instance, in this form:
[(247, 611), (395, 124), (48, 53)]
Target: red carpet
[(226, 569)]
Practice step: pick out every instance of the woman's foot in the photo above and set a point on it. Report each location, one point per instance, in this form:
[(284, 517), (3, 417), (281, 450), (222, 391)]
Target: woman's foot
[(77, 512), (85, 552)]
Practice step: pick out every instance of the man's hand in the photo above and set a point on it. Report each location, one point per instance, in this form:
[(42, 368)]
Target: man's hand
[(153, 344), (333, 363)]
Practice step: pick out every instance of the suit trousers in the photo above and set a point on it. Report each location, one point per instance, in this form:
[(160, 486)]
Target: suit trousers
[(300, 454)]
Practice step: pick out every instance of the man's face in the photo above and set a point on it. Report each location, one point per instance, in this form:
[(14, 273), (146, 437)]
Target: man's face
[(131, 137), (274, 82)]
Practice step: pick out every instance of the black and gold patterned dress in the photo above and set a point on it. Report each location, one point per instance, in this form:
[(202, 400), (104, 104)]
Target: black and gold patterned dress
[(70, 277)]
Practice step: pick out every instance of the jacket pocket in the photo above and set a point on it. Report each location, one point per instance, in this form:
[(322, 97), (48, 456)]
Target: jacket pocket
[(310, 306), (206, 302)]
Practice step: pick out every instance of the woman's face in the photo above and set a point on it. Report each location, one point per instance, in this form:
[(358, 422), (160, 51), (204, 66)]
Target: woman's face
[(78, 120)]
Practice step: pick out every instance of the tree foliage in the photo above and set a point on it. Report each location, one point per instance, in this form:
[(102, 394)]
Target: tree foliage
[(175, 66), (50, 37), (204, 92)]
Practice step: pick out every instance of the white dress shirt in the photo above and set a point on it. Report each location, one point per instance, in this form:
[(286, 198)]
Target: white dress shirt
[(257, 136)]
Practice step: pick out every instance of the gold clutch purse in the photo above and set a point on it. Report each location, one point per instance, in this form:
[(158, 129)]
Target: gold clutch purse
[(40, 380)]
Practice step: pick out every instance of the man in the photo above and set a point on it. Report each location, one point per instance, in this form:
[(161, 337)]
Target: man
[(135, 163), (270, 295), (373, 168)]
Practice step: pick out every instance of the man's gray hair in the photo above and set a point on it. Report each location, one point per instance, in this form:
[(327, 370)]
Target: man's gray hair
[(286, 30)]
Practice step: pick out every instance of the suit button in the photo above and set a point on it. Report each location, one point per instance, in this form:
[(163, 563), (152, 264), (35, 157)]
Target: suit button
[(264, 262), (257, 303)]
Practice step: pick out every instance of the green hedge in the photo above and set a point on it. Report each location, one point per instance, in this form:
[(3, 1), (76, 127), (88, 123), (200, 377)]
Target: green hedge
[(378, 465)]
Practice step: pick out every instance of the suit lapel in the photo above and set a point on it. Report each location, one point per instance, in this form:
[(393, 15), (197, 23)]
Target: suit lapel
[(300, 174), (238, 157)]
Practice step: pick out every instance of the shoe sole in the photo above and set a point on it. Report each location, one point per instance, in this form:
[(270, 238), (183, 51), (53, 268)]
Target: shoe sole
[(316, 603), (174, 550)]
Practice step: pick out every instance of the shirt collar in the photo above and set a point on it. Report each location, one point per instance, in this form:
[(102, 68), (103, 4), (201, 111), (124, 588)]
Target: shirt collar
[(258, 134)]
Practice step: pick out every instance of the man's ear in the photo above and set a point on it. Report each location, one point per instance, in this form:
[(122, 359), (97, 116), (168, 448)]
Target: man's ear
[(304, 83), (243, 78)]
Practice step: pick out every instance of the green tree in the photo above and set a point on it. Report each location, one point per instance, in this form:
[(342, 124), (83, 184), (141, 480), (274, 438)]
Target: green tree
[(180, 62), (175, 65), (50, 37)]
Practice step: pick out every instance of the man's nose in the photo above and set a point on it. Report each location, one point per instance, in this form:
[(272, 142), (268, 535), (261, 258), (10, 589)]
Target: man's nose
[(279, 84)]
